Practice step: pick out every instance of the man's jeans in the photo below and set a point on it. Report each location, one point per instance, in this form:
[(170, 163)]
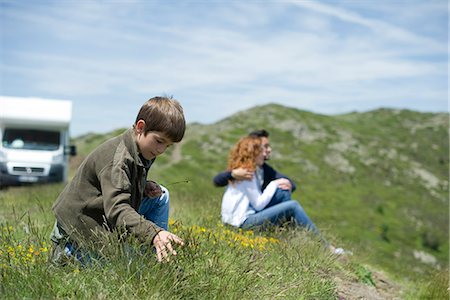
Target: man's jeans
[(279, 196), (281, 209)]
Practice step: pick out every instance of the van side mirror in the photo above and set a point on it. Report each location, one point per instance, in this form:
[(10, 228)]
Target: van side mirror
[(70, 150)]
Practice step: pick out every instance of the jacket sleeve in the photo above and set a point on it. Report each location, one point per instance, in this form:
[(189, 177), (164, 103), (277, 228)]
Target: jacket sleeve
[(272, 174), (222, 179), (116, 190)]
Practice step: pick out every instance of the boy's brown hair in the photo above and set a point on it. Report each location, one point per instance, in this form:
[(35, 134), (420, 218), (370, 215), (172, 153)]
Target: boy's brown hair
[(163, 114)]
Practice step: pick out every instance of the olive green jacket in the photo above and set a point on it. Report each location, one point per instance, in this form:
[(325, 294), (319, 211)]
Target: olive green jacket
[(106, 192)]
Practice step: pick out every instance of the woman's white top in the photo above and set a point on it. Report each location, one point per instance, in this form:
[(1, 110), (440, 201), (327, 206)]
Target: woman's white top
[(243, 198)]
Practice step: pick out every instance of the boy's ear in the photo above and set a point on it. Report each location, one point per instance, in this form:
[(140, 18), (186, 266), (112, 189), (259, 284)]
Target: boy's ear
[(140, 126)]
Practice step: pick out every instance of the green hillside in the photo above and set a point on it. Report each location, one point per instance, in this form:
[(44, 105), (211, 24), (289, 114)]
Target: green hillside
[(375, 183)]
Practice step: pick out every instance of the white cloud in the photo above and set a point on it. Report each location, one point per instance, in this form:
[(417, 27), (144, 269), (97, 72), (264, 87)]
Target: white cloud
[(311, 55), (386, 29)]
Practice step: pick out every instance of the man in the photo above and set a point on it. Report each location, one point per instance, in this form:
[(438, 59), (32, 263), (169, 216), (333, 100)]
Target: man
[(265, 174)]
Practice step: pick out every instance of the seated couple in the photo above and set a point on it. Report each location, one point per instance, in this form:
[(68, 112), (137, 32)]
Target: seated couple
[(255, 193)]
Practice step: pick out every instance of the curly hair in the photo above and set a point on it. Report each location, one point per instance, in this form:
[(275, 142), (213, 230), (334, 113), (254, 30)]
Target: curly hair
[(244, 153)]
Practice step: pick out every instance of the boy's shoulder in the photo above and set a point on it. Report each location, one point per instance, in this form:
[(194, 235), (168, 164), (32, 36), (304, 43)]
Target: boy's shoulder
[(117, 148)]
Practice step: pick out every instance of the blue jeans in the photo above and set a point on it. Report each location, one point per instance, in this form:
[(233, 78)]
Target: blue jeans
[(279, 196), (156, 210), (280, 213)]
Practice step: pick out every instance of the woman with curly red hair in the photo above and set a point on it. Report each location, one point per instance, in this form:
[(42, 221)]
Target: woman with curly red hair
[(245, 206), (243, 203)]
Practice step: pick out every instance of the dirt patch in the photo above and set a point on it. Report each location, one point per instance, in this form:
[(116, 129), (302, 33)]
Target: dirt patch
[(352, 289)]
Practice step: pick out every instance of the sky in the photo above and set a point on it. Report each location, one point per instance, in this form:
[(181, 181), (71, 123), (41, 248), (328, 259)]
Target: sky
[(221, 57)]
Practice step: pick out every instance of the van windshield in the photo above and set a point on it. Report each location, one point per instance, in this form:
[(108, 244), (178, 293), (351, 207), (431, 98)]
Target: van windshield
[(31, 139)]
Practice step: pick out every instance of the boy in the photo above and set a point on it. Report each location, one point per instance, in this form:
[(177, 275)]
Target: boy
[(107, 192)]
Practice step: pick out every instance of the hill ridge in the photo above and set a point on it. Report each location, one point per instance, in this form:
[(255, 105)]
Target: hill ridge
[(379, 179)]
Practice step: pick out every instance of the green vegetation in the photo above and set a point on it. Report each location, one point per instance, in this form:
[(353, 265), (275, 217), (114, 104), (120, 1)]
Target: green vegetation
[(375, 183)]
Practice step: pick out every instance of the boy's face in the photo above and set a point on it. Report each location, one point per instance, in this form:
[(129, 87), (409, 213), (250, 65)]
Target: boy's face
[(152, 144)]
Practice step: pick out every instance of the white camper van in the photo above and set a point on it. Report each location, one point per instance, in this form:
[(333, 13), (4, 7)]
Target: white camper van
[(34, 135)]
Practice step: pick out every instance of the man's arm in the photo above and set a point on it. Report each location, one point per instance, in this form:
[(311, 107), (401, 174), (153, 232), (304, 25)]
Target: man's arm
[(222, 179), (271, 174), (280, 175)]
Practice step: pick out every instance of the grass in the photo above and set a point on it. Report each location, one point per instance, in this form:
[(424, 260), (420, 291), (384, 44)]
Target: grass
[(217, 262), (380, 212)]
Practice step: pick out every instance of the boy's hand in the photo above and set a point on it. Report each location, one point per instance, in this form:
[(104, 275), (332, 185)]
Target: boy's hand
[(163, 245), (152, 189), (241, 174)]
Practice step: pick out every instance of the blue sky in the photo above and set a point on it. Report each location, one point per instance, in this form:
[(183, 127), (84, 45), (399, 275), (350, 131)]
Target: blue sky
[(220, 57)]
